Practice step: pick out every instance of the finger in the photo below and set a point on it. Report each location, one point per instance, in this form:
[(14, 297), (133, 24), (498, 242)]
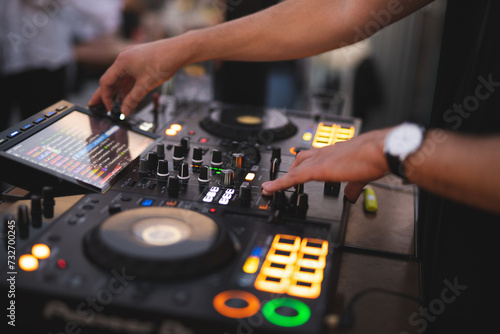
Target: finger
[(96, 98), (352, 190), (107, 90), (133, 98)]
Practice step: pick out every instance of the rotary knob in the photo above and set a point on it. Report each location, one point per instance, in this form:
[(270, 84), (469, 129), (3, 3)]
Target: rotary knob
[(216, 158), (184, 171), (204, 174), (227, 177), (238, 160), (245, 193), (162, 169), (160, 151)]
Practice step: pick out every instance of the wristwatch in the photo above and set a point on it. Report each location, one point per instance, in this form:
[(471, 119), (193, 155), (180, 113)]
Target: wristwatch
[(400, 142)]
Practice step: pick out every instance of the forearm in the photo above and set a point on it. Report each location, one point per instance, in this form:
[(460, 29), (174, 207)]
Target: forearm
[(296, 29), (462, 168)]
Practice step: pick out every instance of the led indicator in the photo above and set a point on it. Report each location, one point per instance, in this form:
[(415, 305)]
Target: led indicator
[(40, 251), (170, 132), (61, 263), (220, 304), (251, 265), (28, 262), (176, 127), (271, 313), (250, 176), (147, 202), (307, 136)]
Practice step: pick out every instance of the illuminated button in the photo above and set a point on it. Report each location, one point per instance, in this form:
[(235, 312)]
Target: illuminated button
[(224, 201), (304, 289), (147, 202), (28, 262), (249, 176), (271, 284), (251, 265), (26, 127), (311, 261), (40, 251), (307, 136), (170, 132), (203, 140), (273, 310), (191, 132), (227, 195), (250, 304), (280, 256), (211, 193), (308, 275), (216, 189), (208, 199), (229, 191), (276, 269), (50, 113), (314, 246), (39, 120), (285, 242), (176, 127), (13, 134)]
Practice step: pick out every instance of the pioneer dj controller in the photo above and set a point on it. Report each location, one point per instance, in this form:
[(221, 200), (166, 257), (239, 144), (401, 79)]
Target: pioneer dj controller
[(181, 240)]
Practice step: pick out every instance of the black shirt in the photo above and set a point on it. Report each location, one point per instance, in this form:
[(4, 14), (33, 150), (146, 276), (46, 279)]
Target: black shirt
[(459, 245)]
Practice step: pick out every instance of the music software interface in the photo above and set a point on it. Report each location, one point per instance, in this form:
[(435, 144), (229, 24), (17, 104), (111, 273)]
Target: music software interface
[(84, 148)]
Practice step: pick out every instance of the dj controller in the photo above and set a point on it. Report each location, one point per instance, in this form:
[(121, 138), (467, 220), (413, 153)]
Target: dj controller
[(176, 237)]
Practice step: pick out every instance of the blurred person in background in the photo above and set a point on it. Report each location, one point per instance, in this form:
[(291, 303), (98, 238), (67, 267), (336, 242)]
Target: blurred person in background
[(37, 39)]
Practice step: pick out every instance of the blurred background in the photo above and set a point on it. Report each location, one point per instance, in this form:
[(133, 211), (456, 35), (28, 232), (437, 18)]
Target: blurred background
[(51, 50)]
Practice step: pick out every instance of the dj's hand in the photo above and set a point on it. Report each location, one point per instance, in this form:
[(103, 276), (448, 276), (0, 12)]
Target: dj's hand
[(136, 71), (358, 161)]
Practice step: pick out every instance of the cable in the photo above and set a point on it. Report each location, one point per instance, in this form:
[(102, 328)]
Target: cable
[(347, 320)]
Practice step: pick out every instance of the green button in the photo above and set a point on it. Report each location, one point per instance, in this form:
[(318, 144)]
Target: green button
[(303, 312)]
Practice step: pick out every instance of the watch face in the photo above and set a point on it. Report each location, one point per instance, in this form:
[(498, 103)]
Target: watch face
[(403, 140)]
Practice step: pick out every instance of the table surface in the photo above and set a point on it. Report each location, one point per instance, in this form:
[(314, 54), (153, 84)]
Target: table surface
[(380, 253)]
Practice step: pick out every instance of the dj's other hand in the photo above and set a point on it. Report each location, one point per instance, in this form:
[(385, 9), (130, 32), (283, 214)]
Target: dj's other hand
[(357, 161), (137, 70)]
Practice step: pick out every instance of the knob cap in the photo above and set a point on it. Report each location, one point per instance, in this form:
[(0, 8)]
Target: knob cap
[(114, 208), (144, 166), (235, 147), (178, 152), (227, 177), (162, 169), (185, 145), (302, 205), (245, 193), (173, 185), (197, 155), (276, 154), (152, 158), (48, 202), (36, 211), (216, 158), (184, 171), (204, 174), (275, 167), (238, 160), (23, 221), (160, 151)]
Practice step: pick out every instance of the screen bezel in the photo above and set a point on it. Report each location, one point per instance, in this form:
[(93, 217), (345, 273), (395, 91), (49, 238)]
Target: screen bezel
[(34, 177)]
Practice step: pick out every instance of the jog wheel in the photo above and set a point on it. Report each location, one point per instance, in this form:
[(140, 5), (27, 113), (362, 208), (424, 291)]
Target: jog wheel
[(241, 123), (159, 243)]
